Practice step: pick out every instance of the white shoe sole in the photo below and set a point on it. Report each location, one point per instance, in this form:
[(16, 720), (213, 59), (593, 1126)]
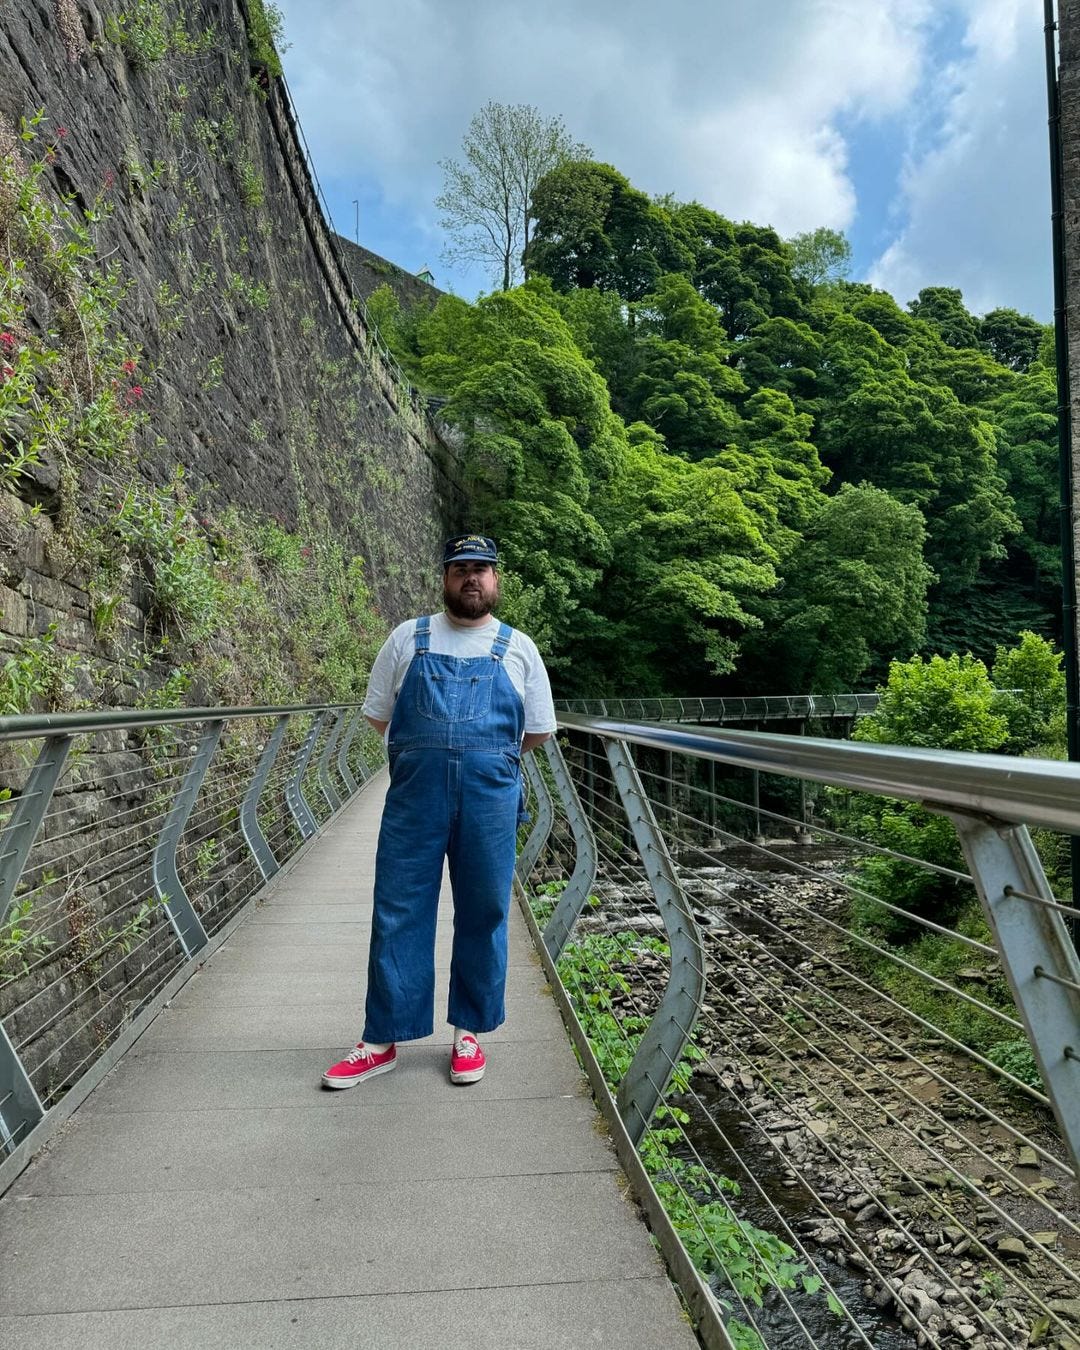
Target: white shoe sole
[(360, 1077), (467, 1075)]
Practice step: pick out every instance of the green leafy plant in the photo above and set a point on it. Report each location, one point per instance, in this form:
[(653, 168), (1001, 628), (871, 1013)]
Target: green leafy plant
[(161, 533), (19, 941), (266, 29)]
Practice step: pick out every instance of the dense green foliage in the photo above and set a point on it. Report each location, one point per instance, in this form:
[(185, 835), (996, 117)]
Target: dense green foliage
[(717, 465), (1017, 706)]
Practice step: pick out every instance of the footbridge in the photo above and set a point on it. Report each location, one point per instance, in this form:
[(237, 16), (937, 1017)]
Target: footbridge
[(792, 1053)]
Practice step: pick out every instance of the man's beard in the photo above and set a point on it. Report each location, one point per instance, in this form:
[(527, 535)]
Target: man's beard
[(471, 604)]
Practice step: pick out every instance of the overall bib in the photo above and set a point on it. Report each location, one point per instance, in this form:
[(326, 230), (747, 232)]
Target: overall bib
[(455, 790)]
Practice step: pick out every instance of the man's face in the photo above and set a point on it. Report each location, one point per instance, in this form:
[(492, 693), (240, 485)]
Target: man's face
[(470, 589)]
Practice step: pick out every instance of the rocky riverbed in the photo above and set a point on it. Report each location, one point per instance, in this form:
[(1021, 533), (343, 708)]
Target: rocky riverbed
[(930, 1194)]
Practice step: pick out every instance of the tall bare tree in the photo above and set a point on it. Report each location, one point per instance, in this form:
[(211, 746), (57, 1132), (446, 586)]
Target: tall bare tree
[(485, 197)]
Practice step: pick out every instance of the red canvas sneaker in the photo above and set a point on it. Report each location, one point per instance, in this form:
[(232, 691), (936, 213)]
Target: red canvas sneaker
[(466, 1061), (359, 1063)]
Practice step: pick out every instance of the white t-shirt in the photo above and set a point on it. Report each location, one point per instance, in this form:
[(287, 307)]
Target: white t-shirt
[(522, 663)]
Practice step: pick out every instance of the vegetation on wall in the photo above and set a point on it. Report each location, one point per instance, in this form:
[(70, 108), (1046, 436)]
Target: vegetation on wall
[(246, 609)]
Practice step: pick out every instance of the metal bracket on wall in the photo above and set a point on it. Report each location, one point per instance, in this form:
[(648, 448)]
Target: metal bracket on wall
[(18, 835), (329, 791), (294, 794), (572, 901), (657, 1055), (1037, 956), (249, 811), (167, 884), (545, 815)]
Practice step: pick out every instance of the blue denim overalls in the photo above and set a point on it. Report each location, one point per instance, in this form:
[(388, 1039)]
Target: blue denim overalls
[(455, 789)]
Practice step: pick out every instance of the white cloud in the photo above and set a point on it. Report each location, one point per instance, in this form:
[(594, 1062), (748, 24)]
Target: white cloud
[(731, 103), (975, 201), (744, 106)]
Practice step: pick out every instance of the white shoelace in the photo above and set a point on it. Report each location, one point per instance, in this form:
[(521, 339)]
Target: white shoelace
[(355, 1056), (466, 1049)]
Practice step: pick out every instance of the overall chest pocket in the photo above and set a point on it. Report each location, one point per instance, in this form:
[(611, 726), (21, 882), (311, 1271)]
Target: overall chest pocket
[(456, 697)]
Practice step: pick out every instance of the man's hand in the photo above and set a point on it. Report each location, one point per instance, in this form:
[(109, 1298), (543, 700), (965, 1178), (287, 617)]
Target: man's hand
[(380, 727), (532, 739)]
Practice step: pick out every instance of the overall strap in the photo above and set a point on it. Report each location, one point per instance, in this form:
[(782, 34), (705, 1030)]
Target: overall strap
[(422, 636), (502, 641)]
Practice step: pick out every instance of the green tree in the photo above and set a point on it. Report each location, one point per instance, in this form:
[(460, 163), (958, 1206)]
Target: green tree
[(917, 441), (745, 269), (1031, 695), (684, 386), (485, 198), (594, 229), (943, 307), (687, 554), (853, 594), (941, 703), (1011, 338), (820, 256)]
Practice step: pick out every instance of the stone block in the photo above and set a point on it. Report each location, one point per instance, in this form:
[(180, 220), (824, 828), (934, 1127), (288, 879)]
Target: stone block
[(12, 612)]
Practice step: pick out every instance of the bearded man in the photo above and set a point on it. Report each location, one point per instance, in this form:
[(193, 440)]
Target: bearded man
[(464, 697)]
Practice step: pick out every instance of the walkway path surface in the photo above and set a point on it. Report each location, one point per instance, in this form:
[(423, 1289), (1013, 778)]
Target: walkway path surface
[(210, 1194)]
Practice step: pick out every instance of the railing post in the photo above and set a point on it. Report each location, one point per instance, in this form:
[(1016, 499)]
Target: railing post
[(20, 1106), (167, 884), (329, 791), (1037, 955), (545, 816), (18, 835), (347, 738), (572, 901), (657, 1055), (249, 811), (294, 793)]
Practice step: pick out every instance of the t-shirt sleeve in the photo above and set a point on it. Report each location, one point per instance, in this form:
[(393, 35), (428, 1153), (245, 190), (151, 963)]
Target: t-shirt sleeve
[(384, 680), (539, 707)]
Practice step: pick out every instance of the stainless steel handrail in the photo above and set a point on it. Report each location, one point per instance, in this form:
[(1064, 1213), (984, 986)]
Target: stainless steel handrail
[(1022, 791)]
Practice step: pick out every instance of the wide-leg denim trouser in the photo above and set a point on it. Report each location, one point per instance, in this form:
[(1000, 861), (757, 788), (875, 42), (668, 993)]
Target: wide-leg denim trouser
[(461, 804)]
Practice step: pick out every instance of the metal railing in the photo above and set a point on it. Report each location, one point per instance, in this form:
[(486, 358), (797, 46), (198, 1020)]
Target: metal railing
[(891, 1076), (759, 708), (130, 844)]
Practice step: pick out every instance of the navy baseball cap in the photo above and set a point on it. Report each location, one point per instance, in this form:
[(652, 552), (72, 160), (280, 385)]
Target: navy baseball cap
[(470, 548)]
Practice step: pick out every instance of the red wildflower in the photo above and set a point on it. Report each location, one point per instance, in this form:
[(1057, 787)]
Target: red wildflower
[(133, 394), (50, 156), (6, 372), (109, 180), (61, 132), (7, 341), (305, 553), (128, 367)]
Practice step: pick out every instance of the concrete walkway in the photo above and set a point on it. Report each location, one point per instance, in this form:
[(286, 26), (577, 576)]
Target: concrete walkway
[(210, 1194)]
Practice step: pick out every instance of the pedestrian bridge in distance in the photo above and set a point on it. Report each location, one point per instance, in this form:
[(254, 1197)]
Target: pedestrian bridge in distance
[(817, 1124)]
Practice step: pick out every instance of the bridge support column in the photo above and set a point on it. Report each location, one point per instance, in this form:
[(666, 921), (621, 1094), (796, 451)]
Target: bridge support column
[(249, 811), (1037, 955), (167, 884), (572, 901), (545, 816), (294, 792), (646, 1080)]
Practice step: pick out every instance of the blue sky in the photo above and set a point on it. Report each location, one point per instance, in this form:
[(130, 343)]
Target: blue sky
[(916, 126)]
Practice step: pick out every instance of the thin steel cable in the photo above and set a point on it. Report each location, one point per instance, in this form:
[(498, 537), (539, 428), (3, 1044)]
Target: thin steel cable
[(640, 1012), (842, 883), (848, 935), (174, 964), (955, 1220), (968, 1142), (860, 1181), (1061, 908)]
